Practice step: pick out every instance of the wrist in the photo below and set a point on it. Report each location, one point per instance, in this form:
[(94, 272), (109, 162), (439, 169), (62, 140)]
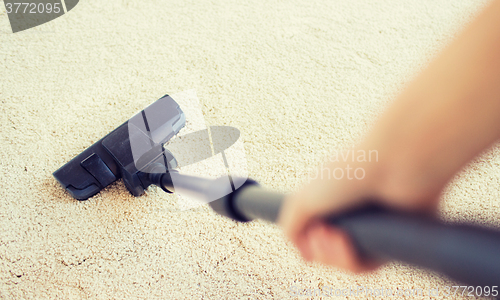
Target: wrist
[(404, 178)]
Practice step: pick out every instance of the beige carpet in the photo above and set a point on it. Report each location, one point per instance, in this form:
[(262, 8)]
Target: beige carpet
[(298, 78)]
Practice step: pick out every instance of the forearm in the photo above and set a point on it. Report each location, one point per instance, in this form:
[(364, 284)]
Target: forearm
[(447, 115)]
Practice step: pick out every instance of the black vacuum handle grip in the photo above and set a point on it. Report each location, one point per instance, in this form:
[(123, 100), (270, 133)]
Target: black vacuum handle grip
[(466, 253)]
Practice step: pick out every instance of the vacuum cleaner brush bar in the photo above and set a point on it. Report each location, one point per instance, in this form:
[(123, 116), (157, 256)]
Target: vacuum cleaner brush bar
[(125, 153)]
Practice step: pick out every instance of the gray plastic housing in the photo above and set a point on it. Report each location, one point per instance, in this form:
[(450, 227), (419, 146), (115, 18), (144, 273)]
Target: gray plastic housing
[(112, 157)]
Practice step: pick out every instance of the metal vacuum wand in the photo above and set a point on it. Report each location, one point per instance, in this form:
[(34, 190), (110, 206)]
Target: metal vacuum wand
[(466, 253)]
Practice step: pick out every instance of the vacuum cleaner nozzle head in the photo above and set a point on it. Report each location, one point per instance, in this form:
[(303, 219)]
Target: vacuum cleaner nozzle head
[(128, 152)]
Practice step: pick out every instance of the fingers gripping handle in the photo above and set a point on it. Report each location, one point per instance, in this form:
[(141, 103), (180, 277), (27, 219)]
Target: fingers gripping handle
[(465, 253)]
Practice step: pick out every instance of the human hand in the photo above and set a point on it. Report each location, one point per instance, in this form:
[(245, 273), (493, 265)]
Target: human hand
[(302, 215), (443, 119)]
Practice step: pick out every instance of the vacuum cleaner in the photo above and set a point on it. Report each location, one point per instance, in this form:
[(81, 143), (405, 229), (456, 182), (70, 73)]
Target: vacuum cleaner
[(134, 152)]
